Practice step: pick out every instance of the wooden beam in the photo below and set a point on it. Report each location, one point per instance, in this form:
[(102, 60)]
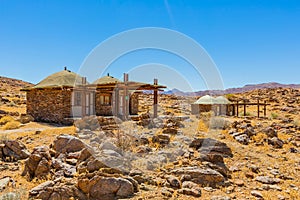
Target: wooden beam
[(258, 108), (155, 102), (237, 108), (265, 109)]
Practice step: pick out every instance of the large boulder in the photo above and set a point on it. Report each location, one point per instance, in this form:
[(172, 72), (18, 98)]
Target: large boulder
[(39, 163), (96, 186), (202, 176), (13, 150), (67, 144), (211, 146), (56, 190)]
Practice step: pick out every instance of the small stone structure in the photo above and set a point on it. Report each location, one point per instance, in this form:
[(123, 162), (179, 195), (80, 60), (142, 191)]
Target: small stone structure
[(219, 105), (65, 95)]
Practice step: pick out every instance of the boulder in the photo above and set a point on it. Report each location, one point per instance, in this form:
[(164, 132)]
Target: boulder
[(276, 142), (202, 176), (110, 187), (67, 144), (24, 119), (14, 150), (162, 139), (267, 180), (51, 190), (39, 163), (190, 188), (243, 139)]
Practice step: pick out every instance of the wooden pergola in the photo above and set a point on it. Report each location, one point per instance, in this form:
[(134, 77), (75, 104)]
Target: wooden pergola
[(125, 87), (237, 104)]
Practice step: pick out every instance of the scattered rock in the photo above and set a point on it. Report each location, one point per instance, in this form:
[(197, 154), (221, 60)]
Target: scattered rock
[(39, 163), (12, 150), (256, 194), (267, 180), (67, 144), (203, 176)]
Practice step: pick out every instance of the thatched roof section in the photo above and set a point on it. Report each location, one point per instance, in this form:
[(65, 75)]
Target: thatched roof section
[(60, 79), (209, 100), (205, 100), (222, 100), (106, 80)]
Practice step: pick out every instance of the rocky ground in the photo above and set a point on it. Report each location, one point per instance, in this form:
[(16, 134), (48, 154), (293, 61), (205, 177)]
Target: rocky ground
[(175, 156)]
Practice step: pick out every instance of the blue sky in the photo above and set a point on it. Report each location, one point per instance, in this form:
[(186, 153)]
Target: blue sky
[(250, 41)]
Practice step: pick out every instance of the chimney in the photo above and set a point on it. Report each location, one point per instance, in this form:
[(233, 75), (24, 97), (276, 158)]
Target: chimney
[(83, 80), (155, 81), (125, 77), (107, 74), (65, 68)]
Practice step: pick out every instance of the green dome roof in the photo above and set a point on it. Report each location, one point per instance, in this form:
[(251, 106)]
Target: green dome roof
[(105, 80), (63, 78)]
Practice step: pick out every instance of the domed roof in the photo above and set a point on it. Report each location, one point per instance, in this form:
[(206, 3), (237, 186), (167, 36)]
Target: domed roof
[(208, 100), (222, 100), (205, 100), (105, 80), (63, 78)]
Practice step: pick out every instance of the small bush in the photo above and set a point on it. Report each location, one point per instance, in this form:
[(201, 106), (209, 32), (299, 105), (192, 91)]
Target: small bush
[(274, 115), (11, 125), (6, 119)]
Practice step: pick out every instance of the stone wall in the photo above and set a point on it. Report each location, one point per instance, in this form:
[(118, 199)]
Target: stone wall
[(49, 105)]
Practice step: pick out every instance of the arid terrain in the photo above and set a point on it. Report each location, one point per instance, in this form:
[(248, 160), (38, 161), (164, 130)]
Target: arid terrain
[(174, 156)]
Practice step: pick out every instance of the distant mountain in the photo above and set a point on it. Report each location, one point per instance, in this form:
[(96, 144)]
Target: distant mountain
[(246, 88), (176, 92)]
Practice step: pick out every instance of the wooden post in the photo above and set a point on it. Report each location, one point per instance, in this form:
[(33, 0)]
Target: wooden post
[(125, 97), (155, 101), (116, 101), (258, 108), (233, 110), (83, 103), (245, 109), (265, 109), (237, 108)]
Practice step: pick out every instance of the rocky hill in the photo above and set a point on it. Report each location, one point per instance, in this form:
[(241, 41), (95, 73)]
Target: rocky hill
[(11, 85)]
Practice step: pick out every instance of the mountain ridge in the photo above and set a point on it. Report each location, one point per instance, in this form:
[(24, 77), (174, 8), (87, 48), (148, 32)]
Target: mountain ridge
[(235, 90)]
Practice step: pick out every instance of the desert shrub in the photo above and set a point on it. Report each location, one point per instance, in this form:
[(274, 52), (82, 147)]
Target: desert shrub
[(242, 114), (11, 125), (274, 115), (231, 97), (6, 119)]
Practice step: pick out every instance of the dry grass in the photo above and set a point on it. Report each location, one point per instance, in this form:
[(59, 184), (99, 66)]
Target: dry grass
[(11, 125), (6, 119)]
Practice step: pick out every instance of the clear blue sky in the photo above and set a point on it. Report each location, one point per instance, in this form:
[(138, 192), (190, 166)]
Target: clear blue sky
[(251, 41)]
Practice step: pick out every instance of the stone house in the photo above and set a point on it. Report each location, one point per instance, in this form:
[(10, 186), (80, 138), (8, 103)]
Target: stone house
[(65, 95), (58, 97), (219, 105)]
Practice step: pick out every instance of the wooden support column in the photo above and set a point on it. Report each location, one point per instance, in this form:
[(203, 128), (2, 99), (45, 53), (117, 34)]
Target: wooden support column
[(237, 108), (265, 109), (83, 98), (155, 100), (116, 101), (233, 110), (245, 109), (258, 108), (125, 97)]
